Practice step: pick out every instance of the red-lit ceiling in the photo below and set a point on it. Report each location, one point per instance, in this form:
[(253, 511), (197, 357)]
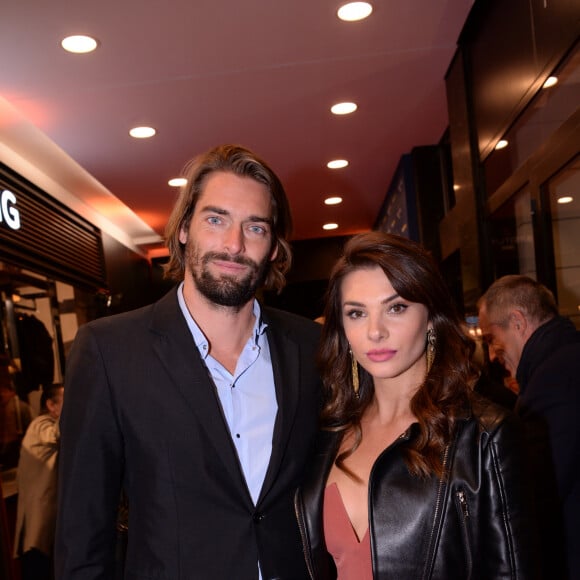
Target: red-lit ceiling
[(261, 73)]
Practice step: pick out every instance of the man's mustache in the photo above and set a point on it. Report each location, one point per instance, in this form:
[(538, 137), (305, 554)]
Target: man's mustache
[(244, 261)]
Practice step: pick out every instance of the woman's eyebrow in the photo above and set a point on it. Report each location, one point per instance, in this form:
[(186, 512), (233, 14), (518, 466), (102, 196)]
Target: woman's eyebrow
[(385, 301)]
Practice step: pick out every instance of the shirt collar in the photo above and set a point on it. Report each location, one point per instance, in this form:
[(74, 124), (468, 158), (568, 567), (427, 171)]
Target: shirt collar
[(199, 337)]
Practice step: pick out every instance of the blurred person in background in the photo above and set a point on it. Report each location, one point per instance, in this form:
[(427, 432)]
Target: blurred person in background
[(520, 322), (37, 488), (15, 416)]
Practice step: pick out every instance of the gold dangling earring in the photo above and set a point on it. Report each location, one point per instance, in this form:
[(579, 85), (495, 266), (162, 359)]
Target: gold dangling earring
[(354, 368), (430, 351)]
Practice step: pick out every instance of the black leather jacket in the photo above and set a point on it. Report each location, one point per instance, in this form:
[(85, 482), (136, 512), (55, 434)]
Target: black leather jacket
[(475, 523)]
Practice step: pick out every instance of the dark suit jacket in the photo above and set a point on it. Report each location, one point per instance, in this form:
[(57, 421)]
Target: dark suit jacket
[(141, 412), (549, 402)]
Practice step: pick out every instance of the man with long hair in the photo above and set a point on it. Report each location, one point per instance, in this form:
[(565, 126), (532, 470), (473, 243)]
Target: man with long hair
[(202, 407)]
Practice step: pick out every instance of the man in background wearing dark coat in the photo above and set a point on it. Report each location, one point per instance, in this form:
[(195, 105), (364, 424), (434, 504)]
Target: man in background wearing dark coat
[(520, 323), (201, 407)]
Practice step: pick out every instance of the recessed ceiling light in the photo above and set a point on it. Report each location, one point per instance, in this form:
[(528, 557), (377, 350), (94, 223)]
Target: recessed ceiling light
[(550, 82), (565, 199), (177, 181), (343, 108), (330, 226), (354, 11), (333, 200), (79, 44), (501, 144), (142, 132), (337, 164)]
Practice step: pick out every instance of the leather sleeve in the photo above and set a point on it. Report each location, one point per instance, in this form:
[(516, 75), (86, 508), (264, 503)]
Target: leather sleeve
[(508, 531), (308, 503)]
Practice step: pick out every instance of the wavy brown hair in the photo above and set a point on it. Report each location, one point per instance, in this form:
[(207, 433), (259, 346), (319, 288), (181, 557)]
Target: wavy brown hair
[(244, 163), (443, 395)]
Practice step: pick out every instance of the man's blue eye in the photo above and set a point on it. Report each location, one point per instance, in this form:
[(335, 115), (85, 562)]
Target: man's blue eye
[(258, 229)]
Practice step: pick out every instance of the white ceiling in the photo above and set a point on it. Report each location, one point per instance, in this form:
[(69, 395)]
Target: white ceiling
[(261, 73)]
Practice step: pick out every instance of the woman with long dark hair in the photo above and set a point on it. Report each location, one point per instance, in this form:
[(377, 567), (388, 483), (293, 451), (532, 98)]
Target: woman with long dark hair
[(415, 476)]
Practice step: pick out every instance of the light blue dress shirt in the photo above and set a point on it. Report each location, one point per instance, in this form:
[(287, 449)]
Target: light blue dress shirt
[(248, 397)]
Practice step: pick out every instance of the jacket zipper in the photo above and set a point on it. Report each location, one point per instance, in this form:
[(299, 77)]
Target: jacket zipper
[(464, 508), (463, 504), (302, 528), (429, 561)]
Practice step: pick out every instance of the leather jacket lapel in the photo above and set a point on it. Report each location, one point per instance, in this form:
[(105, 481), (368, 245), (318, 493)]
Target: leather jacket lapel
[(286, 362)]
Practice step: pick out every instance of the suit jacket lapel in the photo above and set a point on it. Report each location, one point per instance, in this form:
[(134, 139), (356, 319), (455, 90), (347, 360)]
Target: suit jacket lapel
[(177, 352), (286, 368)]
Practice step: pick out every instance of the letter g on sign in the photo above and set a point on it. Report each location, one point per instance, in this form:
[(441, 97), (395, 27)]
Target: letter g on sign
[(8, 211)]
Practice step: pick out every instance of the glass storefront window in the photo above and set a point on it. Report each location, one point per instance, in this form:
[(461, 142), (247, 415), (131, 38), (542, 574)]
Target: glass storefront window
[(563, 191), (512, 237), (546, 112)]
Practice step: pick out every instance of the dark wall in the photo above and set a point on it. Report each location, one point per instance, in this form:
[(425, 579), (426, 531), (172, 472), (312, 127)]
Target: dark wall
[(308, 277), (159, 284), (128, 278), (314, 259), (430, 177), (418, 195), (459, 228)]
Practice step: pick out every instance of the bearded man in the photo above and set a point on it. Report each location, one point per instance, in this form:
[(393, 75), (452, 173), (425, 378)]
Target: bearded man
[(200, 408)]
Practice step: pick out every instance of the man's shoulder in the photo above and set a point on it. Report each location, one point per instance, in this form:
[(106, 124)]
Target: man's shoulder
[(560, 369), (116, 322), (553, 386), (43, 418), (39, 424), (142, 315), (564, 358)]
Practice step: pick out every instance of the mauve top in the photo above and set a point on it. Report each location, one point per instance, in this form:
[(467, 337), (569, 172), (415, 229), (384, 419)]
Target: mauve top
[(352, 558)]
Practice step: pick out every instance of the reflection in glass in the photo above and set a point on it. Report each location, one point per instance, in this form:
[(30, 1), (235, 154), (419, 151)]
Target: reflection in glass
[(566, 237)]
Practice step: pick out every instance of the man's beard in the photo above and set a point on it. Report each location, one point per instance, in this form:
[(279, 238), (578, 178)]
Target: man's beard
[(225, 290)]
